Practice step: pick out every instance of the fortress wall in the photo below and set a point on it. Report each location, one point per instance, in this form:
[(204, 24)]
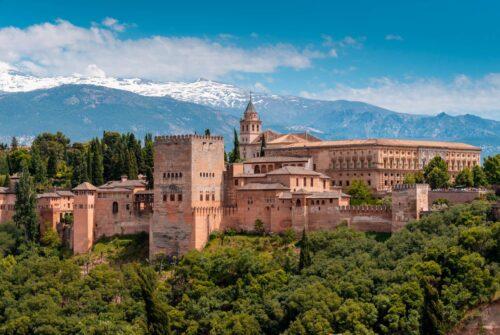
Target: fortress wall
[(457, 196)]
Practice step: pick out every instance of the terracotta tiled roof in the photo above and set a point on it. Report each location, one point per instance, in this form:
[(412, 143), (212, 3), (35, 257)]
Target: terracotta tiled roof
[(268, 134), (132, 183), (381, 142), (273, 159), (64, 193), (327, 195), (114, 190), (85, 187), (296, 170), (48, 195), (263, 186)]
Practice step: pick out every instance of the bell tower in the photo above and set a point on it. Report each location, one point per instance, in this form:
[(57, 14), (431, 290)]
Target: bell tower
[(250, 124)]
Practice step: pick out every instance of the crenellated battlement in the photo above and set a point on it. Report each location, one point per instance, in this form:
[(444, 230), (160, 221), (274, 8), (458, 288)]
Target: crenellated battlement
[(166, 139), (364, 209), (229, 210), (403, 187)]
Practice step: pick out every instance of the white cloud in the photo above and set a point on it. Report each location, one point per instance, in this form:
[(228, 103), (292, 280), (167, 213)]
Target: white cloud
[(61, 48), (425, 96), (259, 87), (113, 24), (333, 53), (393, 37)]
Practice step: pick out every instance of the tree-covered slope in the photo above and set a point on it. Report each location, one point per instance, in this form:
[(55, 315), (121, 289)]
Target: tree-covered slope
[(419, 281)]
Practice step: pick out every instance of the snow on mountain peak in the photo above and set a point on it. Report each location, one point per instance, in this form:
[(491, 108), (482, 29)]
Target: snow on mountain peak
[(203, 91)]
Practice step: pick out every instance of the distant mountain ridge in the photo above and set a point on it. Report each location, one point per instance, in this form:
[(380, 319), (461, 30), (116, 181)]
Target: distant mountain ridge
[(84, 107)]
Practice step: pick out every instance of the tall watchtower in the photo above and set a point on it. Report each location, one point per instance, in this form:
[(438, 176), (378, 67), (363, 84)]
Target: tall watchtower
[(188, 173), (408, 201), (83, 217), (250, 124)]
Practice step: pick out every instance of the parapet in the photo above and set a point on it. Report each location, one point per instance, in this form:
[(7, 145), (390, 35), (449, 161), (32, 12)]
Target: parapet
[(364, 208), (186, 138), (403, 187)]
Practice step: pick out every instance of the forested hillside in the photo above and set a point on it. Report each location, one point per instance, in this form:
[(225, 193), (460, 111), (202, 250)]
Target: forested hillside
[(418, 281)]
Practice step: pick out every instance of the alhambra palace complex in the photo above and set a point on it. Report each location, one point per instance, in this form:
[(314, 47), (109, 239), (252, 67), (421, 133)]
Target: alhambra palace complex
[(296, 185)]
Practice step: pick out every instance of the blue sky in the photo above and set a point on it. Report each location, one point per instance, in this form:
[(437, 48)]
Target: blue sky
[(410, 56)]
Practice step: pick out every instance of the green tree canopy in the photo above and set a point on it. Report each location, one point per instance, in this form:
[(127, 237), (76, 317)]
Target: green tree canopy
[(26, 217), (360, 193), (491, 168), (465, 178)]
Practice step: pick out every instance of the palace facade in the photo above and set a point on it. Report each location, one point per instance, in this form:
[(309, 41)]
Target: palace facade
[(297, 184)]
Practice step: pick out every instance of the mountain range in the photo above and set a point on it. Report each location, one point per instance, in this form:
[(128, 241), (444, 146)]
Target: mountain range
[(85, 107)]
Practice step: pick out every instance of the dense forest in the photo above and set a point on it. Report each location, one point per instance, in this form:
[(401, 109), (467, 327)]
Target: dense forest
[(418, 281), (54, 161)]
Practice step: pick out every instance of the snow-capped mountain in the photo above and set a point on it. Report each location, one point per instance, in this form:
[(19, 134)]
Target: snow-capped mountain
[(82, 107), (202, 91)]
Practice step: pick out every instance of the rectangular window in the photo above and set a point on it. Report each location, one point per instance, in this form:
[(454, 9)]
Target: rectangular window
[(296, 181), (201, 196), (172, 197), (164, 197), (312, 182), (305, 181), (236, 182), (179, 197)]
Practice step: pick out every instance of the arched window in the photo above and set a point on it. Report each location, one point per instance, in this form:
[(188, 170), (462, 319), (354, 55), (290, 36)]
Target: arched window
[(115, 207), (256, 169)]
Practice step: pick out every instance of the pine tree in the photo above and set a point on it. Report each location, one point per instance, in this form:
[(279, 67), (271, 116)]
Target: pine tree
[(305, 251), (25, 216), (157, 319), (262, 146), (37, 167), (235, 155)]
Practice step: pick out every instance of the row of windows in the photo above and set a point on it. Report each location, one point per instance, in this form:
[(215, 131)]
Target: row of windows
[(115, 207), (172, 197), (207, 196), (8, 207), (81, 206), (347, 183), (255, 127), (207, 174), (172, 175)]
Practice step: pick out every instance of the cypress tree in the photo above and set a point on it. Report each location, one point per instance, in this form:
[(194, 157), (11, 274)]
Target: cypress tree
[(79, 169), (305, 251), (132, 166), (14, 144), (52, 164), (156, 315), (6, 181), (262, 146), (37, 167), (25, 216), (4, 164), (235, 155), (148, 152), (97, 163), (150, 178)]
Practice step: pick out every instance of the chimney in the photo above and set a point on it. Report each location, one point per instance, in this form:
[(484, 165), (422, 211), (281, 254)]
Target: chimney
[(124, 178)]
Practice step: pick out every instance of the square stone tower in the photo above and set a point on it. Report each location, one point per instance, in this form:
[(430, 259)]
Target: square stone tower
[(408, 201), (188, 174), (83, 217)]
